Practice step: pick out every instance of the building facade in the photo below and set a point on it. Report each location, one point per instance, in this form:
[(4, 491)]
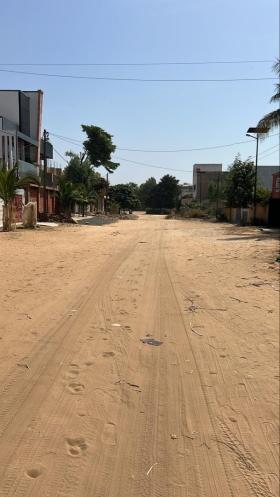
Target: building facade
[(186, 193), (21, 143), (20, 129), (265, 176), (199, 183)]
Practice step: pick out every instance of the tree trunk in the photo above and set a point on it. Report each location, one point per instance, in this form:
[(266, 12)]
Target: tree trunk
[(7, 217)]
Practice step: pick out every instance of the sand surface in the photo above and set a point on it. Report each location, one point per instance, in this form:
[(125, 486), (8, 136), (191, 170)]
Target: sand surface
[(87, 409)]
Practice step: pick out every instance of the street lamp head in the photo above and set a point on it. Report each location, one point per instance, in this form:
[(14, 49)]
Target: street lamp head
[(257, 130)]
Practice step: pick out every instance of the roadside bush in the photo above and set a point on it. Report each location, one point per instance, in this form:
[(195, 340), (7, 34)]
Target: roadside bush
[(152, 210), (114, 208), (194, 213)]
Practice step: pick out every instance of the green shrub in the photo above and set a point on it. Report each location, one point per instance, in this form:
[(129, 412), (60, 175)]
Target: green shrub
[(152, 210)]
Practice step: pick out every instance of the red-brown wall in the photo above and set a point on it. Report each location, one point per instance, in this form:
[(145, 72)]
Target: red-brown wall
[(276, 185)]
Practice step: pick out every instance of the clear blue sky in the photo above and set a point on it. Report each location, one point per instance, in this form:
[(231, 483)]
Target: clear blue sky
[(148, 115)]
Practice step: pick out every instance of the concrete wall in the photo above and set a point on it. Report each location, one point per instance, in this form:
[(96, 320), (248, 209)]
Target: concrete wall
[(265, 176), (35, 110), (206, 168), (9, 105), (276, 186), (204, 180), (237, 215)]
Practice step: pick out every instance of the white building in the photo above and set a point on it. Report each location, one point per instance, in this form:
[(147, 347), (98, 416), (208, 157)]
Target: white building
[(20, 128), (20, 132)]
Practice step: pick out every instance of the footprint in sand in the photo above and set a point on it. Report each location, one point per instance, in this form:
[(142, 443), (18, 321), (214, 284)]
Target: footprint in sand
[(109, 436), (34, 472), (89, 363), (76, 446), (73, 372), (76, 388), (108, 354)]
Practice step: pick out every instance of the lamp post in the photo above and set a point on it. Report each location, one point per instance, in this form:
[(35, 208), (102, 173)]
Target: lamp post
[(257, 132)]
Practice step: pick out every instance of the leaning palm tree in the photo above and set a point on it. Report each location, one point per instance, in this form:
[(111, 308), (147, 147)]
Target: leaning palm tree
[(9, 184), (272, 120)]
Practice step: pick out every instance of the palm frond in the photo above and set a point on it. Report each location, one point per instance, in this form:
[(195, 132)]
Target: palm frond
[(276, 96), (9, 182), (270, 121), (27, 179), (276, 67)]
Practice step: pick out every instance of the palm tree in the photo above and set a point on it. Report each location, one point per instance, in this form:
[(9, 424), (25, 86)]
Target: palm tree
[(67, 196), (272, 120), (9, 184)]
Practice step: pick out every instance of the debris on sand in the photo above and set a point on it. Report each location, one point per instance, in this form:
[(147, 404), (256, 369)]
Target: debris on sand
[(195, 331), (151, 341), (149, 470)]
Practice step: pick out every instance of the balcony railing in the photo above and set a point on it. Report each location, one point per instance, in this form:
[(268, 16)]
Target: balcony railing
[(27, 168)]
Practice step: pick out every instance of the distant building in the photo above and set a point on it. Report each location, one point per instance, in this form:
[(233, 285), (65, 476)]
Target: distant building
[(265, 176), (186, 193), (200, 184)]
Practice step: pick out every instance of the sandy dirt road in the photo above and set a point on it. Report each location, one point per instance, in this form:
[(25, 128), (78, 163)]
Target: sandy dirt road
[(89, 410)]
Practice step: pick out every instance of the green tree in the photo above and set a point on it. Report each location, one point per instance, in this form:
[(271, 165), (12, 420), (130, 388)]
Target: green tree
[(165, 195), (262, 195), (124, 195), (215, 191), (240, 183), (145, 192), (78, 169), (9, 184), (272, 120), (99, 147)]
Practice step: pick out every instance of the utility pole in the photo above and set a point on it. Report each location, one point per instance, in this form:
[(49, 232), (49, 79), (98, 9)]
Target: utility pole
[(256, 180), (107, 191), (256, 131), (218, 194), (45, 139), (199, 184)]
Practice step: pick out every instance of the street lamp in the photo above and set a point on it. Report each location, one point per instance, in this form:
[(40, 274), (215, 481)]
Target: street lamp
[(256, 131)]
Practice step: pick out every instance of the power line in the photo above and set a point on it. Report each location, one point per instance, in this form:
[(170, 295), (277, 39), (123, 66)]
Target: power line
[(271, 153), (184, 149), (74, 141), (154, 80), (153, 165), (120, 64), (268, 149), (61, 156)]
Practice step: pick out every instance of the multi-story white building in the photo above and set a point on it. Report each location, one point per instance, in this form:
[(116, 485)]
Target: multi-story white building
[(20, 128)]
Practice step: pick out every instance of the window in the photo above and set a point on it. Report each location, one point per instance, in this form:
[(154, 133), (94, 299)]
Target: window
[(277, 185)]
